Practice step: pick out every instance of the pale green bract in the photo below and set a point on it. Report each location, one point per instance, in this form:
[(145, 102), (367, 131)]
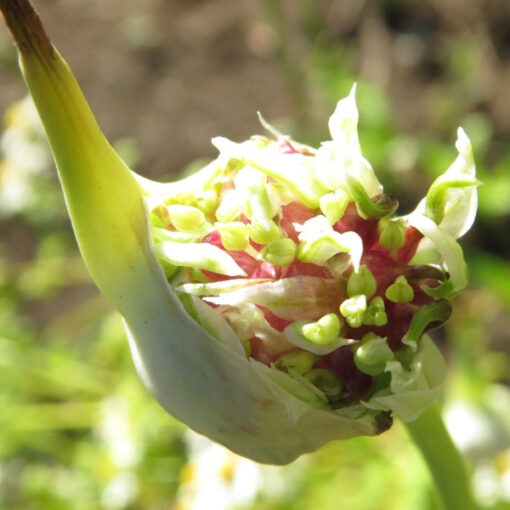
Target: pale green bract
[(190, 355)]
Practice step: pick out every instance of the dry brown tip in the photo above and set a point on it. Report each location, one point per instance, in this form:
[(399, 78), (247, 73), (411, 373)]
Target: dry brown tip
[(26, 29)]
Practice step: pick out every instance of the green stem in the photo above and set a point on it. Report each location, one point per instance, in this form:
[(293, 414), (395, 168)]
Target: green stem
[(444, 460)]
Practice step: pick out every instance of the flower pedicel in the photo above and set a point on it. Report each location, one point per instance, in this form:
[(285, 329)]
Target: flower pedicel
[(270, 300)]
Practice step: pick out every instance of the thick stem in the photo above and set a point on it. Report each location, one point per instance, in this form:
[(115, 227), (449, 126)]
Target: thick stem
[(444, 460)]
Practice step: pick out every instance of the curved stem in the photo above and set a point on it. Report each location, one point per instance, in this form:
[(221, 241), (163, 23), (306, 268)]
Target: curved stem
[(444, 460)]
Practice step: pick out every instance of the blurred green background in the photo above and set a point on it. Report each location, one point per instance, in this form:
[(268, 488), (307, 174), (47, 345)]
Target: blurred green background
[(77, 429)]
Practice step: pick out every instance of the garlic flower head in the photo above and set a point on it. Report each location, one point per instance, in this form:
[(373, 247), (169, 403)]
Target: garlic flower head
[(270, 300)]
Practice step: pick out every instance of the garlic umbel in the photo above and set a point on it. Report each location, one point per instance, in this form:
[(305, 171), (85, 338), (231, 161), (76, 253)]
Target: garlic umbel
[(270, 300)]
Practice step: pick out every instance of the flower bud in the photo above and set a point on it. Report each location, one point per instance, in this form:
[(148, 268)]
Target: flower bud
[(234, 236), (392, 234), (280, 252), (372, 354), (362, 282), (400, 291)]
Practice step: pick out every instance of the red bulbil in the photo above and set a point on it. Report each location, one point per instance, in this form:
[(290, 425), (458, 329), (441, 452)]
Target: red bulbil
[(352, 222), (295, 212)]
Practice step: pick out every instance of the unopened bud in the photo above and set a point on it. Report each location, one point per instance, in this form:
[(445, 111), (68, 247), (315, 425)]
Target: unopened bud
[(280, 252), (299, 361), (372, 354), (354, 309), (392, 233), (186, 218), (400, 291), (333, 205), (376, 314), (324, 331), (362, 282), (234, 235), (264, 234)]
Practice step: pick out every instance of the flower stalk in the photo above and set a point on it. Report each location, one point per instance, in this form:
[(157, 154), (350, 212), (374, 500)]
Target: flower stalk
[(443, 459)]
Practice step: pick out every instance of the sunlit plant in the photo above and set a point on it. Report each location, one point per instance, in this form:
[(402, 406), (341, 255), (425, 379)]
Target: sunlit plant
[(271, 300)]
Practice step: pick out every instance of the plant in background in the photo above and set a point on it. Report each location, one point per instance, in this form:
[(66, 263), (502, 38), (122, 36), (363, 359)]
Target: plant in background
[(270, 300)]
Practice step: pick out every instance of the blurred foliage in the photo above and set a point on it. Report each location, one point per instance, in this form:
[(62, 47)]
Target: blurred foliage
[(78, 430)]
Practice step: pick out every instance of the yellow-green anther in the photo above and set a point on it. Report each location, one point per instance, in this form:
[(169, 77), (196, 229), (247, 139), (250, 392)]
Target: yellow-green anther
[(186, 218), (372, 354), (400, 291), (436, 313), (333, 205), (354, 309), (207, 201), (362, 282), (324, 331), (326, 381), (392, 233), (262, 234), (299, 361), (280, 252), (376, 314), (234, 235)]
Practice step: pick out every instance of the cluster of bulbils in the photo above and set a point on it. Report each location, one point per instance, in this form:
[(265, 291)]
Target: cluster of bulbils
[(296, 254)]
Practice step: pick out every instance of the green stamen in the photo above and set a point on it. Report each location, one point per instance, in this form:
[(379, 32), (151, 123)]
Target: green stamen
[(280, 252), (362, 282), (372, 354), (299, 361), (324, 331), (354, 309), (400, 291)]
